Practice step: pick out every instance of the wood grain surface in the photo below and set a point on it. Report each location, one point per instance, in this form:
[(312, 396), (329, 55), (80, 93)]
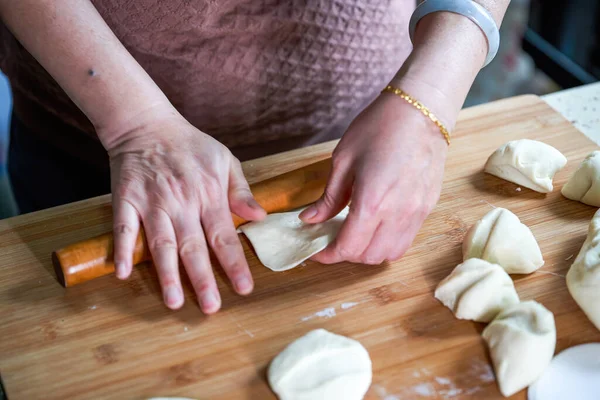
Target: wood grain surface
[(108, 339)]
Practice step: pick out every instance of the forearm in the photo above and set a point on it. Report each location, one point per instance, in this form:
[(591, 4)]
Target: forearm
[(74, 44), (449, 50)]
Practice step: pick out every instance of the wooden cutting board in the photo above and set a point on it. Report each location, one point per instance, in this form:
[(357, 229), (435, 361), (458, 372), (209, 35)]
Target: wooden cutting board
[(109, 339)]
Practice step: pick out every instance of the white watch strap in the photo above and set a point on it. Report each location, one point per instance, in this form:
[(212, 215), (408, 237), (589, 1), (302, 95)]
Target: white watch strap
[(475, 12)]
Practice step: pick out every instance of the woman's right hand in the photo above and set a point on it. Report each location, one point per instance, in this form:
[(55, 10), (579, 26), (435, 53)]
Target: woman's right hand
[(183, 185)]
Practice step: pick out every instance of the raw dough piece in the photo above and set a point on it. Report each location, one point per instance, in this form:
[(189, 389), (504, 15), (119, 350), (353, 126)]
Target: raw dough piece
[(321, 365), (584, 185), (573, 373), (527, 163), (583, 278), (521, 340), (500, 238), (282, 240), (477, 290)]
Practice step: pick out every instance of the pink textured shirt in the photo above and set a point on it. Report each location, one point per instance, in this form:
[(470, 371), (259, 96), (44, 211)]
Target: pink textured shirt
[(259, 75)]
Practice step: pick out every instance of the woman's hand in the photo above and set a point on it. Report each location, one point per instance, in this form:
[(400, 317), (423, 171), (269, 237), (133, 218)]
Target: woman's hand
[(182, 184), (390, 165)]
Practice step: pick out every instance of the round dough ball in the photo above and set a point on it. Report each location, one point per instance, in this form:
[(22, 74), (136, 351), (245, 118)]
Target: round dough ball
[(321, 365), (521, 340), (584, 185), (500, 238), (477, 290), (583, 278), (527, 163)]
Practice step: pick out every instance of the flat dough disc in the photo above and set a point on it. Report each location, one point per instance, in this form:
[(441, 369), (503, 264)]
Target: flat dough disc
[(574, 373), (282, 240)]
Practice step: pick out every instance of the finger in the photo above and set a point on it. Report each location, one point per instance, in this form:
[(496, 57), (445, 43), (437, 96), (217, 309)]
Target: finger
[(193, 252), (335, 197), (126, 226), (389, 242), (224, 241), (353, 238), (163, 247), (376, 250), (407, 238), (241, 200)]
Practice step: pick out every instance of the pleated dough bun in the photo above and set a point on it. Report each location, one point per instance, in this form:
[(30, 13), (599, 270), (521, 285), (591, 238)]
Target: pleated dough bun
[(583, 278), (500, 238), (477, 290), (321, 365), (527, 163), (521, 340), (584, 185)]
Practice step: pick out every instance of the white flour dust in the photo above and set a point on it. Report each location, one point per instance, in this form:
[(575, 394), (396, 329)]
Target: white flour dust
[(448, 394), (479, 374), (325, 313), (424, 389), (442, 381), (329, 312)]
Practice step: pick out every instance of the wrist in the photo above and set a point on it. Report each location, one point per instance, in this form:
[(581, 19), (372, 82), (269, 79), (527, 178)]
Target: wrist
[(423, 133), (133, 123), (448, 52)]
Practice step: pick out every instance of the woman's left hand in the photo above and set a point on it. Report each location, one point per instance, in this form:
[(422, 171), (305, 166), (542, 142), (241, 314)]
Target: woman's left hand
[(389, 165)]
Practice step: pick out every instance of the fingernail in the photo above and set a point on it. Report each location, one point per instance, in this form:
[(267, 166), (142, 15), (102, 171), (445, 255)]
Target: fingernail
[(120, 270), (173, 296), (209, 300), (243, 285), (309, 213)]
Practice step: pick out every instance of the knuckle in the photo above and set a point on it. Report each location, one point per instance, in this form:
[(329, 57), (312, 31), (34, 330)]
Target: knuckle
[(370, 207), (221, 240), (328, 198), (122, 229), (346, 254), (235, 270), (191, 245), (202, 284), (167, 278), (159, 243)]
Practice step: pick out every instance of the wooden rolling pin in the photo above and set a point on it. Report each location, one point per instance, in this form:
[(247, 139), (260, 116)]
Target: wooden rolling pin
[(89, 259)]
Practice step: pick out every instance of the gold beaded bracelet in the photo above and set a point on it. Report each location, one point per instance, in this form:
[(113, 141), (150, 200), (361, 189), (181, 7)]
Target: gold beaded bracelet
[(421, 107)]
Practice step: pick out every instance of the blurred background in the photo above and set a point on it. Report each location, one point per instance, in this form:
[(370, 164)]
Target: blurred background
[(545, 46)]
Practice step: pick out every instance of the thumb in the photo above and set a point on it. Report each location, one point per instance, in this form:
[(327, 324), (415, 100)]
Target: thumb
[(241, 200), (334, 199)]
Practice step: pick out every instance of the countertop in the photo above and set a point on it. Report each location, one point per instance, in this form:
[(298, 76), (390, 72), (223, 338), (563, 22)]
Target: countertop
[(581, 106)]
